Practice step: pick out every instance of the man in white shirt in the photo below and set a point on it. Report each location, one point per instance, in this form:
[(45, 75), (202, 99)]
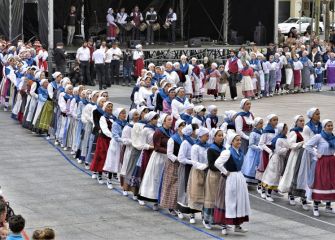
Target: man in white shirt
[(115, 54), (83, 58), (98, 57), (171, 19)]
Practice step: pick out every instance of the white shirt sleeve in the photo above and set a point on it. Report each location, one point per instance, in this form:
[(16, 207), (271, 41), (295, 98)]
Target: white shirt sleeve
[(174, 107), (239, 127), (222, 159), (32, 90), (50, 91), (262, 144), (104, 127), (169, 151)]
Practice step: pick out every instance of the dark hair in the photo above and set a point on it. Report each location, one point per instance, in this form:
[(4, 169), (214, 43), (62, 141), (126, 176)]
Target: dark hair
[(3, 206), (16, 223), (45, 234), (194, 126)]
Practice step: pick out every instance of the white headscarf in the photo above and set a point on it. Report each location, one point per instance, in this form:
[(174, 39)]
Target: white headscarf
[(270, 116), (213, 132), (117, 112), (230, 114), (65, 81), (100, 99), (231, 138), (311, 112), (188, 130), (68, 87), (324, 122), (131, 114), (93, 93), (189, 106), (56, 74), (199, 108), (141, 109), (210, 108), (150, 115), (243, 101), (280, 127), (43, 81), (177, 124), (202, 131), (106, 104), (256, 121)]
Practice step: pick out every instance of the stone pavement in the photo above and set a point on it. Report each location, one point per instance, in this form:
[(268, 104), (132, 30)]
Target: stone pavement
[(49, 189)]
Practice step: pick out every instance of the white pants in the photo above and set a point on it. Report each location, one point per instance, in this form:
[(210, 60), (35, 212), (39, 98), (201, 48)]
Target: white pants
[(70, 34)]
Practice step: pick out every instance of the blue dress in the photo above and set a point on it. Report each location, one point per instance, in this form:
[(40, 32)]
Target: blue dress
[(252, 158)]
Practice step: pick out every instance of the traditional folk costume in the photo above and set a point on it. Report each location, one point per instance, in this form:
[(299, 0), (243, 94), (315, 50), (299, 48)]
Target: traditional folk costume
[(138, 57), (243, 126), (103, 142), (288, 183), (228, 127), (127, 140), (267, 149), (72, 116), (7, 84), (42, 98), (247, 83), (111, 25), (288, 66), (178, 106), (184, 158), (322, 187), (273, 67), (112, 162), (330, 67), (197, 119), (185, 79), (211, 119), (32, 101), (297, 67), (232, 205), (64, 103), (306, 72), (197, 179), (169, 192), (197, 82), (213, 78), (319, 77), (185, 116), (273, 171), (212, 181), (253, 156), (232, 67), (150, 185)]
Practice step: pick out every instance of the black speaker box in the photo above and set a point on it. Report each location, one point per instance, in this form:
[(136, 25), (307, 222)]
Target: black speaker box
[(194, 42)]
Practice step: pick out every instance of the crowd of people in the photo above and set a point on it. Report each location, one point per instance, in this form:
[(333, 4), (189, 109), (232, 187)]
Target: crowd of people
[(169, 149)]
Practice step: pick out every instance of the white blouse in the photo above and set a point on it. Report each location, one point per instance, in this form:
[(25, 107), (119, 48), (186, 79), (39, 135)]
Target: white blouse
[(239, 125), (199, 157), (184, 155), (104, 126)]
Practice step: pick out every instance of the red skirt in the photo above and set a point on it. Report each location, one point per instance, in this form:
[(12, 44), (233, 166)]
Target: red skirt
[(264, 161), (220, 218), (111, 31), (212, 92), (139, 65), (145, 160), (297, 78), (324, 180), (100, 154)]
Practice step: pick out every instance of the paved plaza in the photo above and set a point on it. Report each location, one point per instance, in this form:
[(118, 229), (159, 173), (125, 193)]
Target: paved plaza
[(48, 188)]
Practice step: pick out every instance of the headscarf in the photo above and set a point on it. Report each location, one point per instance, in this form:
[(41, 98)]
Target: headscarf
[(56, 74), (311, 112), (116, 113), (329, 137), (280, 128), (295, 127), (243, 101), (178, 123)]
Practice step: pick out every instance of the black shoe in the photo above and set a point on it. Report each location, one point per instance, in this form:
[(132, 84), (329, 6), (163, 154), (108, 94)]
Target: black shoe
[(104, 87)]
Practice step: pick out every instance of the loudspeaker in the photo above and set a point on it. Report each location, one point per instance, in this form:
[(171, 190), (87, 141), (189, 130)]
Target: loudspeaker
[(133, 43), (58, 36), (194, 42)]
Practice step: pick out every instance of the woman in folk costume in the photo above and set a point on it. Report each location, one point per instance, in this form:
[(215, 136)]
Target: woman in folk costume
[(33, 93), (133, 118), (243, 123), (322, 148), (265, 141), (178, 103), (21, 95), (112, 163), (185, 77), (138, 57), (185, 166), (169, 192), (58, 121), (228, 126), (223, 83), (95, 119), (144, 92), (187, 116), (288, 183), (253, 156), (272, 173), (279, 67), (330, 68), (103, 141), (64, 107), (213, 78), (197, 178), (232, 205), (288, 66), (161, 95), (138, 144), (199, 117), (305, 176), (111, 25), (42, 98), (71, 118), (49, 106), (151, 182), (247, 84), (213, 177), (212, 118), (167, 102), (88, 126), (79, 126), (305, 71), (297, 67)]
